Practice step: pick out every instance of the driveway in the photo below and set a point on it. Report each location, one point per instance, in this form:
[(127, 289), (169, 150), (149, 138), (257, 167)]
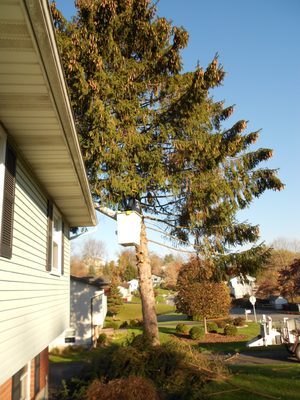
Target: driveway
[(272, 355), (276, 315)]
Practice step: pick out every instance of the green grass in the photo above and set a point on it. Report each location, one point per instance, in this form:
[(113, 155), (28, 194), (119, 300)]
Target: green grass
[(258, 382), (130, 311), (74, 356), (250, 332)]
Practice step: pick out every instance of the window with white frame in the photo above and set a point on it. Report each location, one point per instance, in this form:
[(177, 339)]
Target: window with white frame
[(20, 383), (55, 250)]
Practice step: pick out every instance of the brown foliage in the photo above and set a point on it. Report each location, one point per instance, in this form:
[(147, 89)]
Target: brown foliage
[(197, 295), (289, 280), (131, 388), (267, 281)]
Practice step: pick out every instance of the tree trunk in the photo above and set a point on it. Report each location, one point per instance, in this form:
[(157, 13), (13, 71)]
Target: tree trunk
[(205, 325), (146, 289)]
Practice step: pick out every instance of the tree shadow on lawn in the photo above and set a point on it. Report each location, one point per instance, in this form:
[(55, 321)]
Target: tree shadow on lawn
[(224, 347), (167, 317)]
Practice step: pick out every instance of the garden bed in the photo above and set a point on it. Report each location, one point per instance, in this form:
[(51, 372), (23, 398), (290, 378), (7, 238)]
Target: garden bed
[(215, 338)]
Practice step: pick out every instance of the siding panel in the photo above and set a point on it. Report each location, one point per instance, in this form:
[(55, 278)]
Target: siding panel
[(34, 304)]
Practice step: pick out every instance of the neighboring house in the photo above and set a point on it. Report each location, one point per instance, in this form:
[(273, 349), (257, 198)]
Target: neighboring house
[(277, 302), (240, 287), (133, 285), (156, 280), (43, 192), (88, 308), (125, 291)]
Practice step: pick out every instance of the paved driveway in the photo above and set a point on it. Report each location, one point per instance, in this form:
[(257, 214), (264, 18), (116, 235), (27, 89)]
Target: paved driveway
[(276, 315), (278, 355)]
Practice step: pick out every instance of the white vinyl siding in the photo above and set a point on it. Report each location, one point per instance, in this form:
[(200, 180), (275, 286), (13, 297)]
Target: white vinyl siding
[(34, 304)]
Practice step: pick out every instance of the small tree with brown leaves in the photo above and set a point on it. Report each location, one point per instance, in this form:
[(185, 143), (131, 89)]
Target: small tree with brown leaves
[(199, 294)]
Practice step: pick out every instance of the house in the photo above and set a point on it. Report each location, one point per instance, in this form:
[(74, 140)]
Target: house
[(133, 285), (156, 280), (125, 291), (88, 308), (43, 192), (240, 287)]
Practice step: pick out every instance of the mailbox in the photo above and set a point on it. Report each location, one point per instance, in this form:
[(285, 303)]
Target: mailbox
[(129, 228)]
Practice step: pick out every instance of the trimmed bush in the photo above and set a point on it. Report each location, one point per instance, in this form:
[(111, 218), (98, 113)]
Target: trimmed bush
[(124, 325), (102, 339), (135, 323), (230, 330), (239, 321), (196, 332), (212, 327), (182, 328), (221, 323), (133, 387)]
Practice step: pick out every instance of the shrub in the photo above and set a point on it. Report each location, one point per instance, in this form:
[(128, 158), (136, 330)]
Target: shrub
[(239, 321), (135, 323), (111, 324), (196, 332), (221, 323), (182, 328), (140, 342), (230, 330), (177, 371), (124, 325), (131, 388), (102, 339), (212, 327)]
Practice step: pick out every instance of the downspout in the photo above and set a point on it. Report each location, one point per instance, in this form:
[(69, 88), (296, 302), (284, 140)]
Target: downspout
[(92, 312)]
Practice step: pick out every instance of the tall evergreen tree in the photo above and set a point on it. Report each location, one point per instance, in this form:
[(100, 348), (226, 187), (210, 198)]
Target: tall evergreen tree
[(152, 134)]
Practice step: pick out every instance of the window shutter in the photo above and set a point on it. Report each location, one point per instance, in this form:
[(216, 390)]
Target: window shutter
[(8, 203), (49, 235), (37, 369), (62, 246)]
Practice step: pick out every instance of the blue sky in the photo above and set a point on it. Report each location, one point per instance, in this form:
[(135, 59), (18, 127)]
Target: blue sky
[(258, 45)]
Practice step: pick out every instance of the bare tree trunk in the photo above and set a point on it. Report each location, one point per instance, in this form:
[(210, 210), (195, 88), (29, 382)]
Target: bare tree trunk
[(146, 289), (205, 325), (145, 281)]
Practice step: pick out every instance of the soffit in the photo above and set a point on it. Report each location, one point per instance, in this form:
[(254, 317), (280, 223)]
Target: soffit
[(35, 109)]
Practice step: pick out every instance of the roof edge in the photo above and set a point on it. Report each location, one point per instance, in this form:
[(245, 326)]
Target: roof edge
[(40, 18)]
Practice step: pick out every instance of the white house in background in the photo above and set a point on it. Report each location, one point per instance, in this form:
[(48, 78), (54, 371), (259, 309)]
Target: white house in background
[(88, 308), (43, 192), (240, 287), (125, 291), (133, 285), (156, 280)]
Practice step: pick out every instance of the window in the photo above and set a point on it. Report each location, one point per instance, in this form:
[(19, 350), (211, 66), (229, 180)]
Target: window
[(7, 195), (70, 335), (55, 248), (20, 384)]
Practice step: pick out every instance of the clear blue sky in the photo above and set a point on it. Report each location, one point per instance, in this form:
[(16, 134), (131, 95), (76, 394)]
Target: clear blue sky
[(258, 45)]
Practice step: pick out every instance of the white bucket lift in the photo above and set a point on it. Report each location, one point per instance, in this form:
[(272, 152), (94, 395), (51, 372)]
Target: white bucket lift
[(268, 335), (129, 228)]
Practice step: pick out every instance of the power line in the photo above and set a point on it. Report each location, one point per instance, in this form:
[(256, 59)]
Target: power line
[(172, 248)]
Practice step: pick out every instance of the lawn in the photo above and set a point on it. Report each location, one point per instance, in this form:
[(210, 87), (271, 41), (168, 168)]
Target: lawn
[(130, 311), (258, 382), (247, 382), (249, 331)]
